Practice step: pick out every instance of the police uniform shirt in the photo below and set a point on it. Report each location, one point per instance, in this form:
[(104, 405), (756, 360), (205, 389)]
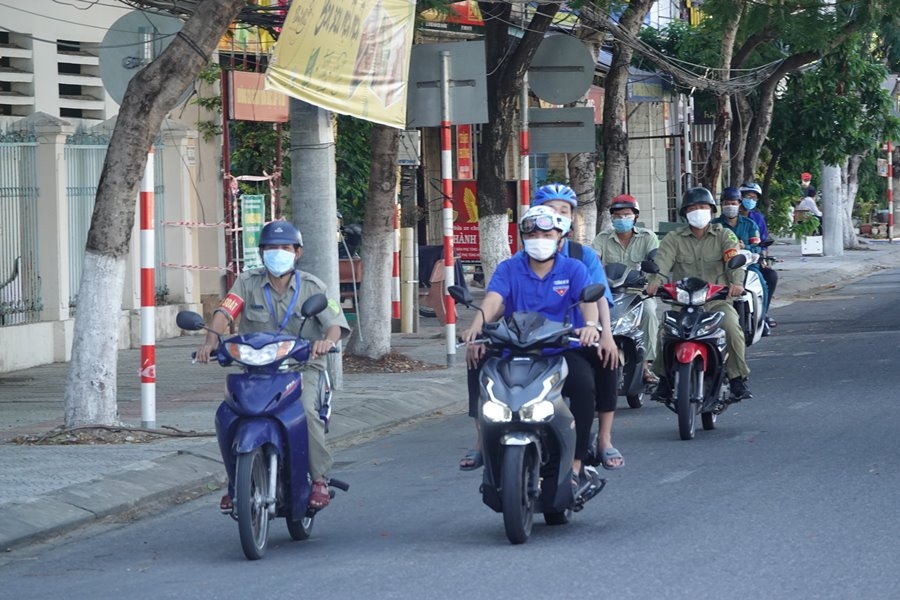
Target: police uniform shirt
[(610, 249), (247, 298), (684, 255)]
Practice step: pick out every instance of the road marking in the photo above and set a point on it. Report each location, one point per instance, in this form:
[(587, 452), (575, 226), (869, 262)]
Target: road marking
[(799, 405), (676, 476)]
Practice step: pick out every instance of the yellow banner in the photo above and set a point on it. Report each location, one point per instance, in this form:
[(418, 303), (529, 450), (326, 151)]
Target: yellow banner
[(349, 56)]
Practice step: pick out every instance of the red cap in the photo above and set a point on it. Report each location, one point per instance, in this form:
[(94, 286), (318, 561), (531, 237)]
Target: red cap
[(805, 176)]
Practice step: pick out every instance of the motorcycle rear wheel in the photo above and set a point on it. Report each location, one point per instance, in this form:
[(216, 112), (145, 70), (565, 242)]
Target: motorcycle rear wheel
[(250, 489), (709, 420), (636, 400), (558, 518), (687, 410), (518, 503)]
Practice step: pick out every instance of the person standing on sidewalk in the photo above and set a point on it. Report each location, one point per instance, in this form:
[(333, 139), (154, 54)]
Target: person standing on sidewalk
[(702, 249), (629, 244), (269, 299)]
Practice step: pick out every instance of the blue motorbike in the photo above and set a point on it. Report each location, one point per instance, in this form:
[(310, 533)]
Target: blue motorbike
[(262, 431)]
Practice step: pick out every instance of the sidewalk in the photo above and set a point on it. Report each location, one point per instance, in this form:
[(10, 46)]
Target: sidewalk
[(46, 490)]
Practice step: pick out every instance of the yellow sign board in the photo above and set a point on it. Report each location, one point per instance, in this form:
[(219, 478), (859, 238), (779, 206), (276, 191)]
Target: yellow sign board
[(349, 56)]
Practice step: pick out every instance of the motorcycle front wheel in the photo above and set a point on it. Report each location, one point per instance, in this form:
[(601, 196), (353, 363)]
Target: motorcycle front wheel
[(250, 488), (300, 529), (687, 388), (515, 483)]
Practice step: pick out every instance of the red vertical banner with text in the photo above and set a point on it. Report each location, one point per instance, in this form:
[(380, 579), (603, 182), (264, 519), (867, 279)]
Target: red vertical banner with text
[(464, 169), (466, 242)]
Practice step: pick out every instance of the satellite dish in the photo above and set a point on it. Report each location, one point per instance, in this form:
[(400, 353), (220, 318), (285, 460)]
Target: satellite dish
[(130, 44)]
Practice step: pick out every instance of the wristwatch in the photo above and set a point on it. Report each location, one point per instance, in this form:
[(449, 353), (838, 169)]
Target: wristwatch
[(593, 324)]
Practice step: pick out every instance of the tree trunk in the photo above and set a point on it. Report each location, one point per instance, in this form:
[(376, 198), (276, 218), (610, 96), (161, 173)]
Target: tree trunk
[(90, 396), (374, 311), (850, 186), (583, 175), (506, 67), (709, 175), (615, 138), (740, 125), (314, 201)]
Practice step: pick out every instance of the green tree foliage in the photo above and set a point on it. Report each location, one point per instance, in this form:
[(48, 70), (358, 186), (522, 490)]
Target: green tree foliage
[(353, 166)]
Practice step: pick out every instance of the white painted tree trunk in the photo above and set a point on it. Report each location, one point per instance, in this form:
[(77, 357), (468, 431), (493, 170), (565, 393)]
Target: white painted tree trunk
[(90, 396), (582, 170), (849, 189), (832, 208), (374, 338), (494, 233)]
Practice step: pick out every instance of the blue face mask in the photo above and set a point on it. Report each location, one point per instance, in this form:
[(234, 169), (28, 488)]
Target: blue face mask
[(623, 224), (278, 262), (749, 203)]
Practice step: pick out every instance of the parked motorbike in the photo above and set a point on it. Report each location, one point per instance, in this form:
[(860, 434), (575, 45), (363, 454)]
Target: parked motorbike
[(694, 349), (262, 432), (528, 431)]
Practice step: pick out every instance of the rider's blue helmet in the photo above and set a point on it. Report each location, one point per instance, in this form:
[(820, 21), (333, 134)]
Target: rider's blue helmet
[(731, 193), (555, 191), (279, 233)]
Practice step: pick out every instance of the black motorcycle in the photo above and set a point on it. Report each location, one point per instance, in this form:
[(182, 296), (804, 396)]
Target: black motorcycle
[(527, 429)]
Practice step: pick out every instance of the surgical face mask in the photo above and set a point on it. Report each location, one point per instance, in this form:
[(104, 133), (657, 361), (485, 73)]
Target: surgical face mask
[(540, 249), (699, 218), (623, 224), (730, 211), (278, 262), (749, 203)]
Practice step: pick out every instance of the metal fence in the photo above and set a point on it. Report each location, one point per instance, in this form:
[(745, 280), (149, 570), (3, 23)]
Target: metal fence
[(20, 282), (85, 154)]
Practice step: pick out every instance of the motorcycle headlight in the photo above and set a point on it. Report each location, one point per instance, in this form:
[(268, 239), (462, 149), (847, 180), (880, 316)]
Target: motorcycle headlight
[(708, 324), (539, 409), (695, 298), (629, 320), (496, 412), (256, 357), (671, 325)]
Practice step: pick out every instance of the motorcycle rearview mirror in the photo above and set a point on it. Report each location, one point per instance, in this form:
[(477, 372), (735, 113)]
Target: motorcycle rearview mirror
[(737, 261), (189, 320), (766, 243), (652, 254), (314, 305), (592, 292), (649, 266), (461, 295)]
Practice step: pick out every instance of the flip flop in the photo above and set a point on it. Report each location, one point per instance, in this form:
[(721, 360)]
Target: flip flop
[(473, 459), (320, 496), (609, 454)]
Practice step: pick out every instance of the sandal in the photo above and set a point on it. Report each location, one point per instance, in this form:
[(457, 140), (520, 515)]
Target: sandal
[(225, 504), (473, 459), (607, 455), (320, 496), (650, 378)]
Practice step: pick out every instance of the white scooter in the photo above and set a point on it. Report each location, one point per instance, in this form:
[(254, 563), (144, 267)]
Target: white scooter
[(749, 306)]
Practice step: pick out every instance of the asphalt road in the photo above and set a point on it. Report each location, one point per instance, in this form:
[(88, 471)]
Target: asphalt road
[(794, 495)]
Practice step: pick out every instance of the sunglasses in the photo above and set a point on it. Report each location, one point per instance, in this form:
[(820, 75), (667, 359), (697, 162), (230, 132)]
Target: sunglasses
[(542, 222)]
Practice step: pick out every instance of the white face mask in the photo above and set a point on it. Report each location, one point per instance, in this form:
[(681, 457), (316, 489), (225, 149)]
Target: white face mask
[(540, 249), (278, 262), (699, 218), (730, 211)]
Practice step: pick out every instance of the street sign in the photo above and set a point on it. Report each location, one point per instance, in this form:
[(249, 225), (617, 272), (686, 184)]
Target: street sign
[(562, 130), (562, 69), (467, 85)]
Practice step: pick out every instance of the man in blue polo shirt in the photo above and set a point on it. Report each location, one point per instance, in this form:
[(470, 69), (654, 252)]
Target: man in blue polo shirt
[(539, 279)]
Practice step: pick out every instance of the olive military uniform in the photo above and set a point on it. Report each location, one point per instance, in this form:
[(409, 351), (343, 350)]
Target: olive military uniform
[(684, 255), (262, 311)]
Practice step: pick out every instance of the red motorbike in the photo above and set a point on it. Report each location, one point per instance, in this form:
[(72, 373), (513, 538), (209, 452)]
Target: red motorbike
[(693, 347)]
